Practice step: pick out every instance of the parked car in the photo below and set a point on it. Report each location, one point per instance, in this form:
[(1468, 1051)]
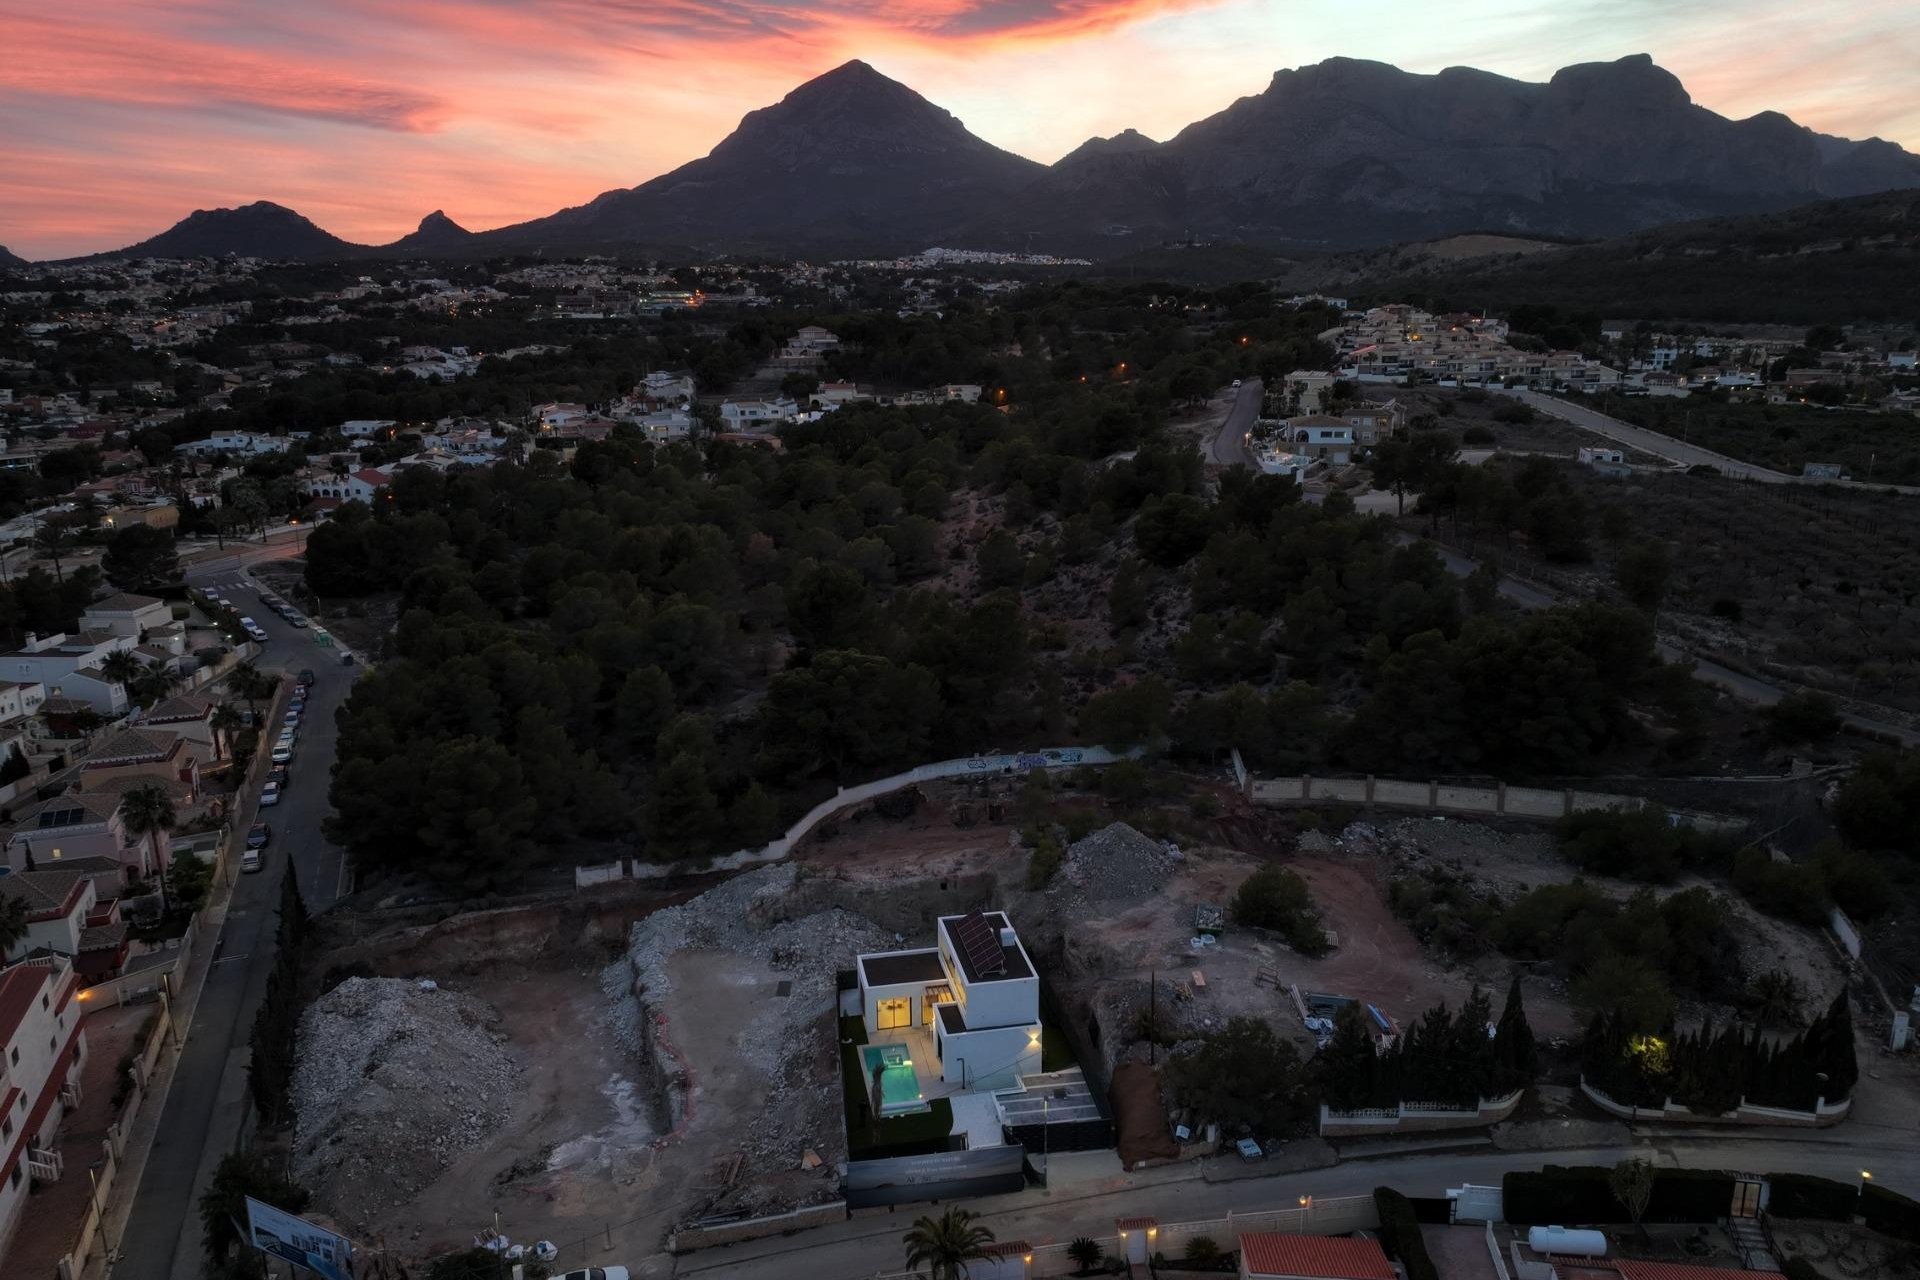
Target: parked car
[(306, 677), (283, 753), (596, 1273), (280, 774), (346, 658), (258, 834), (250, 860), (295, 620), (270, 794), (292, 717), (258, 635)]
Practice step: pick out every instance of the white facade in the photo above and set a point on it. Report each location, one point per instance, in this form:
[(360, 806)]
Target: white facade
[(127, 615), (744, 415), (364, 428), (44, 1052), (71, 666)]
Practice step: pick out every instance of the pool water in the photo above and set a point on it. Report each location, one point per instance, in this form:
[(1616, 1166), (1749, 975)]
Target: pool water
[(899, 1087)]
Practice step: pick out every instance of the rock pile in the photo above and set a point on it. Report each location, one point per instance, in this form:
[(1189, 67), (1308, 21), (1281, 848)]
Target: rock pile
[(1115, 864), (395, 1081)]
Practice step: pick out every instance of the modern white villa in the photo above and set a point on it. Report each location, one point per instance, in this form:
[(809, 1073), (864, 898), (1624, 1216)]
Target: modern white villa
[(964, 1012)]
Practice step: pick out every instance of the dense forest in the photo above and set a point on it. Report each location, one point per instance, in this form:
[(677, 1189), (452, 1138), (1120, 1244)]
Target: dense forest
[(672, 650)]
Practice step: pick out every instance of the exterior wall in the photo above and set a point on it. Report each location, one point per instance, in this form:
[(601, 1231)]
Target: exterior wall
[(1415, 1118), (1824, 1114), (1514, 802), (61, 934), (689, 1238), (913, 991), (130, 623), (53, 1049), (93, 841), (990, 1059)]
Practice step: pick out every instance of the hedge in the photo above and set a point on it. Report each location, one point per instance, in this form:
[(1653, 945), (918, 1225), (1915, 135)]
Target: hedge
[(1400, 1234), (1580, 1194), (1890, 1212), (1801, 1195)]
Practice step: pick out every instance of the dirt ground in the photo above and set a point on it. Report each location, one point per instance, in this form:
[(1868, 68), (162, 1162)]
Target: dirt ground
[(576, 1154)]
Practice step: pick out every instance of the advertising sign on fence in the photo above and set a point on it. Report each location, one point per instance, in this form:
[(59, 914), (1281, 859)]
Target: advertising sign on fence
[(298, 1241), (944, 1175)]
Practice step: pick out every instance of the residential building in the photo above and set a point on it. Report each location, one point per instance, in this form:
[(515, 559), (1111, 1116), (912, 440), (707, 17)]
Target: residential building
[(836, 394), (807, 348), (1318, 436), (1276, 1255), (228, 441), (663, 387), (365, 428), (1278, 462), (975, 990), (84, 824), (69, 666), (72, 910), (1589, 456), (144, 754), (126, 614), (748, 415), (155, 515), (188, 716), (43, 1050), (20, 705), (363, 485), (558, 414)]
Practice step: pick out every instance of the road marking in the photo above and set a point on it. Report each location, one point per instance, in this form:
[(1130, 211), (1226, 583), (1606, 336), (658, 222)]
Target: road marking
[(229, 959)]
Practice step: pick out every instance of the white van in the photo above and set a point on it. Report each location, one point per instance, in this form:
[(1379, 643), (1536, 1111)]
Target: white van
[(250, 860)]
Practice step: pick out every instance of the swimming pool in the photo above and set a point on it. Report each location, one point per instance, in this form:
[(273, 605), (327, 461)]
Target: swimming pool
[(899, 1087)]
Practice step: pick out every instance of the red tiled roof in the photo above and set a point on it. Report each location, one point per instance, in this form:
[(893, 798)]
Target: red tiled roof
[(1683, 1271), (370, 476), (18, 987), (1272, 1253), (1134, 1224), (1007, 1249)]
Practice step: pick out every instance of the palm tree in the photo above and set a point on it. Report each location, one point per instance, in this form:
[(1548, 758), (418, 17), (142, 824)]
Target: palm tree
[(121, 667), (946, 1244), (148, 811), (246, 680), (153, 684), (226, 721), (53, 538), (13, 923)]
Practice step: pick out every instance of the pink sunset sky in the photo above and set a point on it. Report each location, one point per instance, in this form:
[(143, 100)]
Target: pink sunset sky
[(117, 117)]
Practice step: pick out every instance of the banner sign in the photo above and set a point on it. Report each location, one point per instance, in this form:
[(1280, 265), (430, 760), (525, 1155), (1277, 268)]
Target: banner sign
[(298, 1241)]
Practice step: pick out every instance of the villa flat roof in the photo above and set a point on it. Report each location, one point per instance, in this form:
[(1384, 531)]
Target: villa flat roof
[(952, 1019), (892, 968)]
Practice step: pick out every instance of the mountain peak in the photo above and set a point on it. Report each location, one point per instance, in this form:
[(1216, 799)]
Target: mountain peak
[(1126, 142), (10, 259), (438, 221), (1633, 81)]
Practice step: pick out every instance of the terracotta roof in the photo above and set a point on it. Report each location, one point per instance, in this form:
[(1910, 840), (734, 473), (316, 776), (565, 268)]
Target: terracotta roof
[(134, 744), (68, 809), (49, 892), (104, 937), (188, 706), (1135, 1224), (1271, 1253), (1683, 1271), (372, 477)]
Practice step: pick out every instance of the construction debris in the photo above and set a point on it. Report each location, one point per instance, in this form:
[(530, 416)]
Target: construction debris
[(394, 1082), (1115, 864)]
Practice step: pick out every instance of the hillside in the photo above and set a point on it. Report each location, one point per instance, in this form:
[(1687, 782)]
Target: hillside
[(1831, 261)]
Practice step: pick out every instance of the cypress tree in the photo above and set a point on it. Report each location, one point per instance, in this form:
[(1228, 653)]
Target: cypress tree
[(1515, 1055)]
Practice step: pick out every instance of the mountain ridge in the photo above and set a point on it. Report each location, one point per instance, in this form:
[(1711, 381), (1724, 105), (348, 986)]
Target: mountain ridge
[(1342, 153)]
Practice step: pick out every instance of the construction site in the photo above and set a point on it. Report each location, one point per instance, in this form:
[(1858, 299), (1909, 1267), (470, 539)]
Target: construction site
[(636, 1060)]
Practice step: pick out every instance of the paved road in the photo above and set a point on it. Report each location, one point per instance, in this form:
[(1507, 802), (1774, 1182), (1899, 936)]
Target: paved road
[(871, 1246), (1228, 447), (1653, 442), (162, 1240)]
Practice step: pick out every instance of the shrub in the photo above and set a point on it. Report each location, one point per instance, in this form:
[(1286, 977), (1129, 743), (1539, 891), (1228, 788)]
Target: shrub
[(1890, 1213), (1085, 1252), (1045, 860), (1801, 1195), (1275, 898), (1803, 716), (1400, 1234), (1791, 891), (1477, 435), (1637, 844), (1203, 1251)]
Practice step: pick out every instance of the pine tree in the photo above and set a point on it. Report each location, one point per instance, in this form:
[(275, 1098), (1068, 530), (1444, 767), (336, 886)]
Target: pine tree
[(1515, 1055)]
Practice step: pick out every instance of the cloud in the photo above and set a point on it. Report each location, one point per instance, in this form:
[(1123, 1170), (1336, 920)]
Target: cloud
[(118, 116)]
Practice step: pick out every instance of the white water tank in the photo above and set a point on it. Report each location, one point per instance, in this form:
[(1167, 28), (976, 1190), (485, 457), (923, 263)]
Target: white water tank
[(1568, 1243)]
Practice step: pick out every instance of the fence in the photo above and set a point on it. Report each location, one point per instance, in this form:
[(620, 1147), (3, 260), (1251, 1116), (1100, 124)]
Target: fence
[(846, 797), (1822, 1116), (70, 1266), (1498, 799), (1334, 1217), (706, 1235), (1415, 1117)]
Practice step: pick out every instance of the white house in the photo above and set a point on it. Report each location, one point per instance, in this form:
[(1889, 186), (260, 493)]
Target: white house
[(975, 991), (364, 428), (69, 666), (1589, 456), (559, 414), (663, 386), (228, 441), (1319, 436), (126, 614), (363, 485), (43, 1050), (84, 824), (746, 415)]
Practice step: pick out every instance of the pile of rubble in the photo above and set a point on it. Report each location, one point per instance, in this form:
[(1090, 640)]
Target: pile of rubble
[(1115, 864), (395, 1080), (788, 1040)]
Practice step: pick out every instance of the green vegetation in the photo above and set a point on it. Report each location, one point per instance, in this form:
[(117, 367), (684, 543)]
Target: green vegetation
[(946, 1245), (1878, 806), (1559, 1193), (1085, 1253), (1243, 1077), (224, 1205), (276, 1027), (1869, 446), (1444, 1057), (1400, 1235), (1639, 844), (1802, 1195), (872, 1137), (1890, 1213), (1277, 899), (1711, 1071), (1445, 911)]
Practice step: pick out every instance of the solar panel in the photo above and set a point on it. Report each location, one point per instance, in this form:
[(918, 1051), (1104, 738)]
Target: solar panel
[(980, 942), (61, 817)]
